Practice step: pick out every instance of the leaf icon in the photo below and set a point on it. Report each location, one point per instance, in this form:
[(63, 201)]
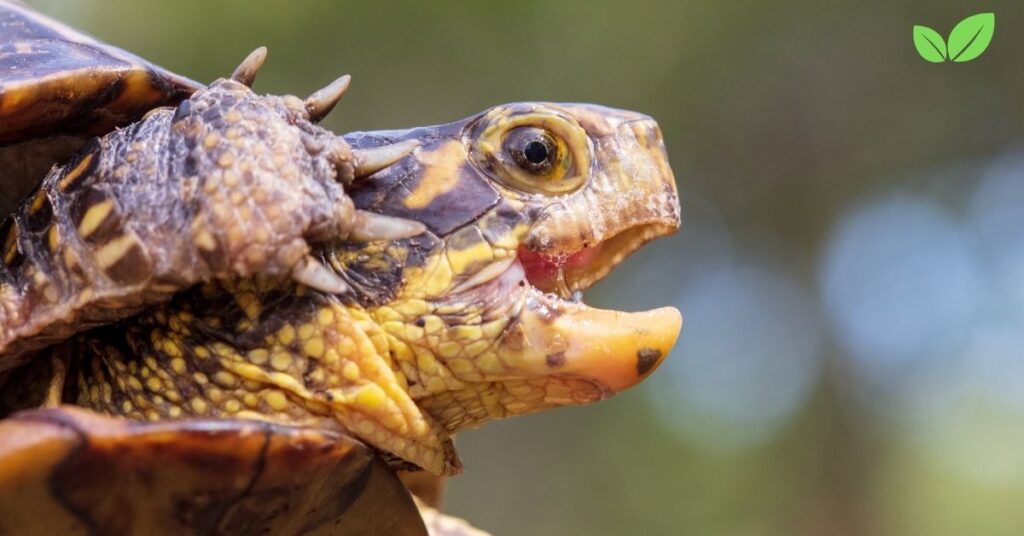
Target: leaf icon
[(971, 36), (929, 44)]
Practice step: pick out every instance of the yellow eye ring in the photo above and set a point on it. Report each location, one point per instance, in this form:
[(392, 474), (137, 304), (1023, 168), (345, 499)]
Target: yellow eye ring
[(533, 151)]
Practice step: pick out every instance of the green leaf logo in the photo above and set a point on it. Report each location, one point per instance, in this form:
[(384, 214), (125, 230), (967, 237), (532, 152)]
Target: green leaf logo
[(969, 38), (929, 44)]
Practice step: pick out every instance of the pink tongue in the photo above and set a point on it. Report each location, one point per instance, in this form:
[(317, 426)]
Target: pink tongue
[(542, 270)]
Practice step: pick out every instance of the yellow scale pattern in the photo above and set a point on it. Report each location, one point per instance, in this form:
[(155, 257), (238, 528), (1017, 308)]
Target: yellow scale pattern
[(401, 376), (334, 369)]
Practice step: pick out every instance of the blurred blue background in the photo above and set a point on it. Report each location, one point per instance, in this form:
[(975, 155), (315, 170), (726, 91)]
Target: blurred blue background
[(851, 267)]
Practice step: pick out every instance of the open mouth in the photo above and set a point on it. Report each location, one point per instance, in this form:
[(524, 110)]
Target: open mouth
[(556, 335), (568, 273)]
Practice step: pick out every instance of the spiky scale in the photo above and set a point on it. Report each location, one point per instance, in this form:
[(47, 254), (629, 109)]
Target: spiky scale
[(321, 103), (246, 71)]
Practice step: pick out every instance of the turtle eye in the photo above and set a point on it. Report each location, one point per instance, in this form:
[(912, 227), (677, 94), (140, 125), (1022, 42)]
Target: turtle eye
[(537, 160), (532, 149)]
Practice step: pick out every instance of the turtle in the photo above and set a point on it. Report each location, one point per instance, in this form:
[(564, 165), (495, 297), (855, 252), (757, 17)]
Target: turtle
[(218, 317)]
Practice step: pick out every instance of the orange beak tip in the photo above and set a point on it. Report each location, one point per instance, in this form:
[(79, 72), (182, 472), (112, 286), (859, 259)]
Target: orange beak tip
[(618, 350)]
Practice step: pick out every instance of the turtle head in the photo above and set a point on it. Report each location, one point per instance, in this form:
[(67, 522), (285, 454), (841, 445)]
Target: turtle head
[(526, 205)]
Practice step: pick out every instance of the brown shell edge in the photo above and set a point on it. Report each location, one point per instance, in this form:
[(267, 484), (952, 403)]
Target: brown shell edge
[(72, 471), (59, 81)]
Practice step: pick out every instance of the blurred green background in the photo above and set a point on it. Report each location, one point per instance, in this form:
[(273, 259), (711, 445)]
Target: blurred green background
[(851, 267)]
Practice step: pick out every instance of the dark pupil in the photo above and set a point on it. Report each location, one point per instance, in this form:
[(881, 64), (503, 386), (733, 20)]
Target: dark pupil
[(536, 152), (532, 149)]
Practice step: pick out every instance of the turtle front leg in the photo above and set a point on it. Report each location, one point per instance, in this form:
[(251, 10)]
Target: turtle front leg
[(228, 184)]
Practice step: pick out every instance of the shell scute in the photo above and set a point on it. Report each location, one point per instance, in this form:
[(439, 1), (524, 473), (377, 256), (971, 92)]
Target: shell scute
[(206, 477)]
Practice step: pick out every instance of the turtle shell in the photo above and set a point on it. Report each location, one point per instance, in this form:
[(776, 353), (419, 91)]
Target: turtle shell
[(72, 471), (58, 87)]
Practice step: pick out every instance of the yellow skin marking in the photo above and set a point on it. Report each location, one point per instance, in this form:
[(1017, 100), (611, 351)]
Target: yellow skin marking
[(11, 245), (94, 216), (430, 356), (53, 238), (71, 176), (478, 252), (108, 254), (38, 202), (442, 165)]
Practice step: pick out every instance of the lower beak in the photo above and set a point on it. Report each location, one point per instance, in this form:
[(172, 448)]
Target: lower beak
[(611, 348)]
